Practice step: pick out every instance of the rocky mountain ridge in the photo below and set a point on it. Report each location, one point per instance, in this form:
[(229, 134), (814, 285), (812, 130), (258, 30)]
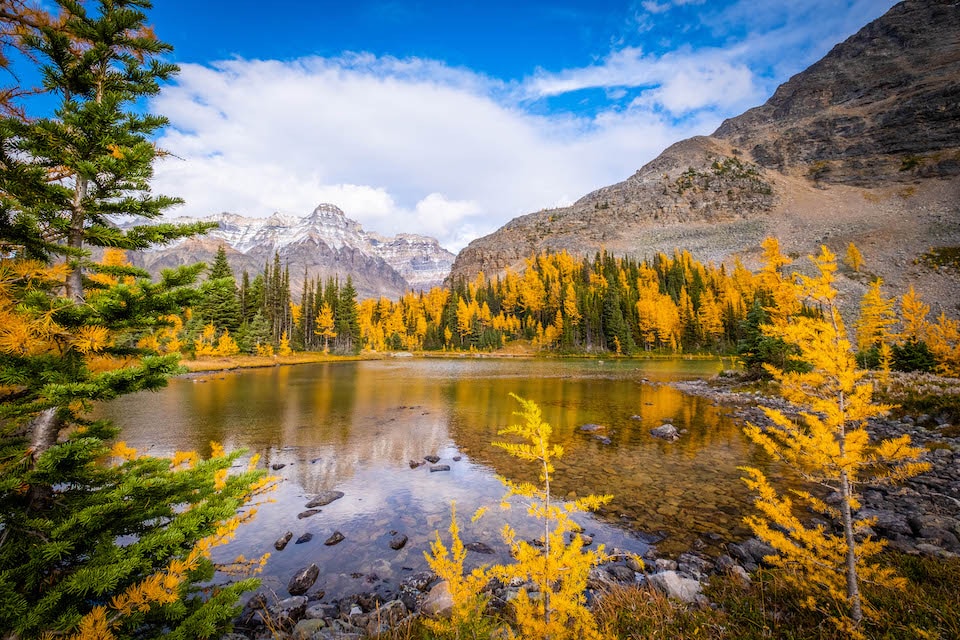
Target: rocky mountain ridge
[(863, 146), (325, 243)]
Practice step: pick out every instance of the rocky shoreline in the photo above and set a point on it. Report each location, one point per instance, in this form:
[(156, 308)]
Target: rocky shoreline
[(921, 516)]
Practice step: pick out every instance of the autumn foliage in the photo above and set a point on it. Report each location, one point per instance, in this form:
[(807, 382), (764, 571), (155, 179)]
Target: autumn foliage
[(829, 447)]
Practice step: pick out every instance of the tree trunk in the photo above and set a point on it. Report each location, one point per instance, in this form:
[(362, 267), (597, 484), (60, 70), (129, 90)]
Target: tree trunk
[(853, 587), (44, 430), (74, 282)]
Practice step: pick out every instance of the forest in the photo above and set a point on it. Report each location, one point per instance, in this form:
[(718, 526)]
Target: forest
[(558, 304)]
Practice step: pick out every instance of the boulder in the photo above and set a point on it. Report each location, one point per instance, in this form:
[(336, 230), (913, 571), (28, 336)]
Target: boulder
[(439, 602), (622, 574), (306, 629), (283, 540), (303, 580), (665, 432), (673, 585)]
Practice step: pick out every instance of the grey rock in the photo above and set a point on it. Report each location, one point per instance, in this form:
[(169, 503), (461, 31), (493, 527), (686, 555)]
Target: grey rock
[(673, 585), (415, 463), (419, 581), (398, 541), (303, 580), (324, 498), (432, 459), (282, 541), (336, 538), (592, 428), (439, 467), (479, 547), (439, 602), (665, 432), (622, 574), (307, 537), (307, 629), (307, 513), (276, 466)]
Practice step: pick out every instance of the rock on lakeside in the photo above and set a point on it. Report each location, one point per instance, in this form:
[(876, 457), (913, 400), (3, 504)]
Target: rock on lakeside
[(921, 515)]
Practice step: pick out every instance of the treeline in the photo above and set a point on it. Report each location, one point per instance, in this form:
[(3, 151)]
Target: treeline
[(559, 303)]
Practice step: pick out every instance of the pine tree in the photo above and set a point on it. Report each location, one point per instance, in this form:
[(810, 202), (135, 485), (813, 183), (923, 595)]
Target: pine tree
[(94, 537), (831, 448), (74, 172)]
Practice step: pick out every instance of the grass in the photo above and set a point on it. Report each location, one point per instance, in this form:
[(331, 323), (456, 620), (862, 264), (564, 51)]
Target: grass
[(929, 607), (254, 362)]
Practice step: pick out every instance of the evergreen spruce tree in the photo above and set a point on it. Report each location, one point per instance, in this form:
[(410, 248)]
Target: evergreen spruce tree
[(347, 319), (66, 496), (219, 300)]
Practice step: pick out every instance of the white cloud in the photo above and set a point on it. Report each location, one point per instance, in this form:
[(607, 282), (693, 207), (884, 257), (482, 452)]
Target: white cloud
[(399, 145), (679, 82), (415, 145)]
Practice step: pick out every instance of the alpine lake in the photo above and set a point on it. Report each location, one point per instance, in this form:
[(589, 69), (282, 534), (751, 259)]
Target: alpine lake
[(356, 427)]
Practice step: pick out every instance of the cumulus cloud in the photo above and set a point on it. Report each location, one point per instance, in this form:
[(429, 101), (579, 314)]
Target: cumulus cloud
[(399, 145), (416, 145)]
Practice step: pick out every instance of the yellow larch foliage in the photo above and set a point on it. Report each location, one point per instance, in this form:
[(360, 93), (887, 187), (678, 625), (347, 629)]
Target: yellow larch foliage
[(559, 569), (465, 589), (874, 326), (853, 259), (284, 349), (913, 316), (226, 345), (830, 448), (122, 451), (944, 342)]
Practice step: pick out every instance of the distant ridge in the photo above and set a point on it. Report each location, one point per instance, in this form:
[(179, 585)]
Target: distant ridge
[(325, 242)]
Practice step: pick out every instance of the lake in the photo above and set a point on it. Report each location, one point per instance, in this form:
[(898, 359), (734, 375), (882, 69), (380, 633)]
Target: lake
[(355, 426)]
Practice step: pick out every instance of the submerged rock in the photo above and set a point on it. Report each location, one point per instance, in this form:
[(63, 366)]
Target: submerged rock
[(398, 541), (307, 537), (336, 538), (308, 513), (303, 580), (665, 432), (439, 467), (282, 541), (592, 428), (324, 498), (479, 547), (432, 459)]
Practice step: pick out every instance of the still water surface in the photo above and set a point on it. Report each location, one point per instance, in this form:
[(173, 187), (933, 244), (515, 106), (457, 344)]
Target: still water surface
[(354, 427)]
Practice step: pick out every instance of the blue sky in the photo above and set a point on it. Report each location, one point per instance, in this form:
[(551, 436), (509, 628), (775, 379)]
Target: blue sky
[(451, 118)]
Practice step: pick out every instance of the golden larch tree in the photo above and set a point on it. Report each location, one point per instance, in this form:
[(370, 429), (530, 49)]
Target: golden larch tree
[(829, 447)]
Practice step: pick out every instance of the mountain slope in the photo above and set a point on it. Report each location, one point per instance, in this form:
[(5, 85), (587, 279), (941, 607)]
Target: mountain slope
[(324, 243), (863, 146)]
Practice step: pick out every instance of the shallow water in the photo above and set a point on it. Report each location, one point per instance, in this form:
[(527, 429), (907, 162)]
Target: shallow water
[(354, 427)]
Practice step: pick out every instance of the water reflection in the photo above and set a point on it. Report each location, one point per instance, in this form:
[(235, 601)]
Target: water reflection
[(355, 426)]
